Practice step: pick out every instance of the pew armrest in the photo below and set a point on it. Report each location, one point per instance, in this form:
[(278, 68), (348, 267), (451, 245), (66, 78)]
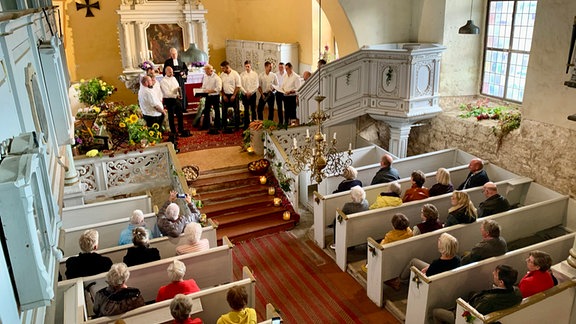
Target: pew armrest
[(419, 276), (317, 197)]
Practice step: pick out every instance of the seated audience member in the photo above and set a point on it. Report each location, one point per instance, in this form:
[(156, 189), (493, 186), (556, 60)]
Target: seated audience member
[(443, 183), (238, 299), (477, 176), (88, 262), (136, 220), (448, 248), (386, 173), (401, 229), (492, 243), (195, 242), (349, 181), (389, 198), (417, 191), (462, 210), (502, 295), (180, 309), (141, 252), (429, 216), (494, 203), (170, 222), (539, 277), (358, 204), (117, 298), (176, 271)]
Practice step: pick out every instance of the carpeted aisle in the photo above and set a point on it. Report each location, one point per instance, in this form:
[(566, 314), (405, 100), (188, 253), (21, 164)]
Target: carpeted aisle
[(304, 283), (201, 140)]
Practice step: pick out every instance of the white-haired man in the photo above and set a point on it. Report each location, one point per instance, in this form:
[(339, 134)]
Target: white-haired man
[(170, 222), (136, 220)]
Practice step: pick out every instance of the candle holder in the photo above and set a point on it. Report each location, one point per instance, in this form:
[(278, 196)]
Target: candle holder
[(277, 202), (193, 191), (271, 191), (263, 179), (250, 150), (286, 216)]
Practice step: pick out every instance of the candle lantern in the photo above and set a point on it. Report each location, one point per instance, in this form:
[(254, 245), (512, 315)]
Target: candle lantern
[(286, 215), (263, 179), (277, 202), (271, 191)]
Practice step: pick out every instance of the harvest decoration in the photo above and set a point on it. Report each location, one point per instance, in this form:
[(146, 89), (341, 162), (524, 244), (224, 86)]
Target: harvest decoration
[(94, 91)]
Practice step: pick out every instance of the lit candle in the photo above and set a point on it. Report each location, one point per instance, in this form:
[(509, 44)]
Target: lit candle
[(307, 133), (313, 152), (295, 143), (193, 191), (349, 146), (286, 215), (263, 180), (271, 191), (324, 136), (334, 137), (277, 202), (250, 149)]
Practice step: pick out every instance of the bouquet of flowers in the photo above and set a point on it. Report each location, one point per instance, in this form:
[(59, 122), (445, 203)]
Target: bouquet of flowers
[(94, 91), (146, 65), (198, 64), (138, 132)]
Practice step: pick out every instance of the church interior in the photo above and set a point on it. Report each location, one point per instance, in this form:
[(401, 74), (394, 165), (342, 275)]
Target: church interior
[(399, 76)]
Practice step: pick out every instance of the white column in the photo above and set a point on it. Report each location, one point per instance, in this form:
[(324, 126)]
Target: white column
[(203, 42), (73, 193), (127, 47), (398, 144), (141, 52)]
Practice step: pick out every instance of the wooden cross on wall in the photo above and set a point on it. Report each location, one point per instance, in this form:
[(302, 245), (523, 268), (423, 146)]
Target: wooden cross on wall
[(88, 6)]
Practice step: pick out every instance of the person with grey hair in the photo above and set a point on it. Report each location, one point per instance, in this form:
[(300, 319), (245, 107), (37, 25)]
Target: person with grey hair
[(390, 197), (180, 309), (88, 262), (492, 243), (349, 174), (141, 252), (117, 298), (358, 204), (136, 220), (195, 242), (176, 271), (170, 222)]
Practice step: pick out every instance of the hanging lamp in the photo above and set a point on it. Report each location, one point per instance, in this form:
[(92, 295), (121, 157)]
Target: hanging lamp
[(469, 28)]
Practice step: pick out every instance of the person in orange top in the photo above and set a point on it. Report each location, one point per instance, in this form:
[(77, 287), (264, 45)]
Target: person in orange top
[(417, 191)]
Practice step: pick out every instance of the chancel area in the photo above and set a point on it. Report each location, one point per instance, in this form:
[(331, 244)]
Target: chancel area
[(264, 123)]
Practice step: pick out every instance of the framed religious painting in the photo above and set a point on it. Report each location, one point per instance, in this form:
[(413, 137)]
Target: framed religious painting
[(162, 37)]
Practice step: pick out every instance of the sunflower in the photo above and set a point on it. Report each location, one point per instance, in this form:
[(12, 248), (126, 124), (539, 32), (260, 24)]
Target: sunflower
[(155, 126), (133, 118), (151, 133), (122, 124)]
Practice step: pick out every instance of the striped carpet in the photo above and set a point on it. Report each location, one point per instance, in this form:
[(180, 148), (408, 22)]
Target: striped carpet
[(304, 283)]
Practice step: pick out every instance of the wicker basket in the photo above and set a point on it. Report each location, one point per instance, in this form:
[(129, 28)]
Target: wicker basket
[(259, 167), (191, 173)]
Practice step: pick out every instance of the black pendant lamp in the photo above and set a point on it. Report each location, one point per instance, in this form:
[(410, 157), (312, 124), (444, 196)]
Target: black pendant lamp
[(469, 28)]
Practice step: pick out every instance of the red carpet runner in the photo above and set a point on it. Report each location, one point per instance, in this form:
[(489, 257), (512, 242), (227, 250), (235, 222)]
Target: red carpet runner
[(298, 279), (201, 140)]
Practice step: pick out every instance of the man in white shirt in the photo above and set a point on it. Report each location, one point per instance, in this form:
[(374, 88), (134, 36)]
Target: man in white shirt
[(289, 87), (249, 80), (266, 80), (150, 104), (212, 84), (231, 85), (173, 100), (279, 95)]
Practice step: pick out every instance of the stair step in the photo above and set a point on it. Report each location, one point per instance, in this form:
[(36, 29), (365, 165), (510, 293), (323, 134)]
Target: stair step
[(255, 229), (243, 192), (258, 202), (239, 217), (226, 181)]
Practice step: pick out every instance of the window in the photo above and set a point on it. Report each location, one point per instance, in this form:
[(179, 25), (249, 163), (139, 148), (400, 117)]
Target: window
[(509, 30)]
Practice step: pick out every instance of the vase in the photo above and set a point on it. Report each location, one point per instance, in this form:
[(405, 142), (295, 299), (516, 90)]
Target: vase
[(194, 55)]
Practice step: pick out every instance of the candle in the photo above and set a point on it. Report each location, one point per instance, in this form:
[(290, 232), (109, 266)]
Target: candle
[(349, 146), (271, 191), (295, 143), (277, 202), (307, 133), (193, 191), (334, 137), (263, 180), (324, 136), (250, 149), (286, 215)]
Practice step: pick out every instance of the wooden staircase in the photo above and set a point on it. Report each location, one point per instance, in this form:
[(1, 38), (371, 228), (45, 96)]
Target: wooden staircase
[(241, 207)]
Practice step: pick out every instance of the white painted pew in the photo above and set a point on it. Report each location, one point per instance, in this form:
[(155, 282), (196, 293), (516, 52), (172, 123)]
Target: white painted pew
[(165, 245), (387, 261), (442, 290), (209, 304), (556, 303), (105, 211), (427, 162), (354, 229)]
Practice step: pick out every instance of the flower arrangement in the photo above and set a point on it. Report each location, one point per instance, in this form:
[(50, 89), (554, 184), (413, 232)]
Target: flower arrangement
[(94, 91), (198, 64), (146, 65), (468, 316), (138, 132)]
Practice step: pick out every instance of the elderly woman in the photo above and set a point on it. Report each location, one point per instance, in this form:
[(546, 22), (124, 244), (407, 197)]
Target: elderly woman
[(358, 204), (170, 222), (389, 197), (136, 220), (141, 252), (462, 210), (349, 174), (195, 242), (443, 183), (176, 271), (117, 298), (417, 191), (539, 277), (429, 216), (88, 262), (180, 309), (401, 231), (238, 299)]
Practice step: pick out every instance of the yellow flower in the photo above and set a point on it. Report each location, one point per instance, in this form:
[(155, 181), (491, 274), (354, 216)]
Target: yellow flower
[(92, 153), (82, 80), (155, 126), (131, 142), (77, 87), (103, 88), (159, 134), (151, 133), (122, 125), (133, 118), (97, 110)]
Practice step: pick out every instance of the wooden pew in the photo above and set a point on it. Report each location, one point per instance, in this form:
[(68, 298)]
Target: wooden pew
[(354, 229), (556, 303), (105, 211), (209, 304), (441, 290), (165, 245), (387, 261)]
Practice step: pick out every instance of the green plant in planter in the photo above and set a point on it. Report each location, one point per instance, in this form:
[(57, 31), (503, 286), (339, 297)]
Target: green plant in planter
[(284, 181)]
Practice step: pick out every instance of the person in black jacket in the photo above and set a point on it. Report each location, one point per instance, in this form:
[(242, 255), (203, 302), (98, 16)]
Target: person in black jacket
[(141, 252), (88, 262), (494, 204), (349, 174), (180, 73), (117, 298), (477, 176)]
